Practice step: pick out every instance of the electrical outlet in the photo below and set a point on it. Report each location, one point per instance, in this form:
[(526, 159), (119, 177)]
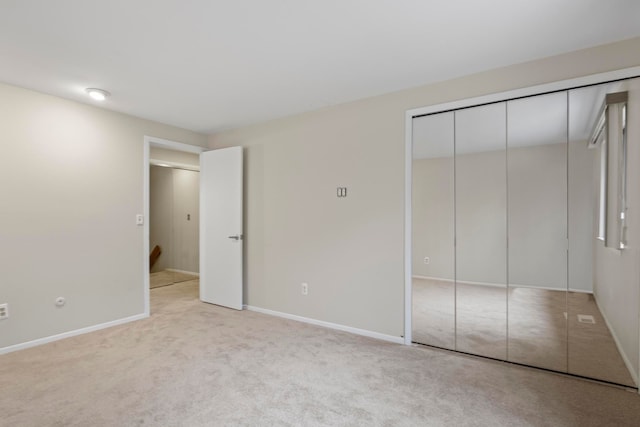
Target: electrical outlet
[(4, 311), (427, 260), (305, 289)]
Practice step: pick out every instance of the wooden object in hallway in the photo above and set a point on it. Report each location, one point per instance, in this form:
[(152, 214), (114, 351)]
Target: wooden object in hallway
[(155, 254)]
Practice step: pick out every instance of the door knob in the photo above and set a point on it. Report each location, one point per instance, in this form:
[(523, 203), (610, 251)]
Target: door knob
[(236, 237)]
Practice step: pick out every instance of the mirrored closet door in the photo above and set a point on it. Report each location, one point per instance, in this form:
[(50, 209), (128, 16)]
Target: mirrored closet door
[(526, 229), (537, 218), (481, 230), (434, 288)]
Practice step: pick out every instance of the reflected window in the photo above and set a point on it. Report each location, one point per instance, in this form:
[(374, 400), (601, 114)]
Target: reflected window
[(602, 194), (609, 135), (623, 176)]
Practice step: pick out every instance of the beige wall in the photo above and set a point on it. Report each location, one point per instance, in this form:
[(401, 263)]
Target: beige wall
[(537, 218), (72, 183), (350, 251), (481, 218), (433, 217)]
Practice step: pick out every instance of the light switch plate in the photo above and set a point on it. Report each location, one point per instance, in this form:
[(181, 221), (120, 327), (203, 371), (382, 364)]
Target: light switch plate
[(139, 219)]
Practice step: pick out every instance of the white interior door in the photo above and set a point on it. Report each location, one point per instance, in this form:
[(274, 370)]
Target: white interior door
[(221, 227)]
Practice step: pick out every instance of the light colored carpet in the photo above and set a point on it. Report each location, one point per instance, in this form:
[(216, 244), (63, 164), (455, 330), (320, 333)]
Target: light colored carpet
[(194, 364), (542, 330), (168, 277)]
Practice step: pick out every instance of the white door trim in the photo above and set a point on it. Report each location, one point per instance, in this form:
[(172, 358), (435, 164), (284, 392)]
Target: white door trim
[(496, 97), (174, 165), (151, 141)]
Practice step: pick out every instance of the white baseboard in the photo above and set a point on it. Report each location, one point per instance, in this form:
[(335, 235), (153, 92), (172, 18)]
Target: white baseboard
[(497, 285), (175, 270), (627, 362), (462, 282), (417, 276), (363, 332), (69, 334), (580, 291)]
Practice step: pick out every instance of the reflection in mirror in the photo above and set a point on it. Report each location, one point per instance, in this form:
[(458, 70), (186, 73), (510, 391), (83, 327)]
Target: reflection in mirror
[(603, 283), (480, 199), (537, 218), (559, 174), (614, 113), (433, 317)]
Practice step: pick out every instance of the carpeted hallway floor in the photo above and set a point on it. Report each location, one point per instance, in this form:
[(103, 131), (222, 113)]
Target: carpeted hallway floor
[(194, 364), (169, 277)]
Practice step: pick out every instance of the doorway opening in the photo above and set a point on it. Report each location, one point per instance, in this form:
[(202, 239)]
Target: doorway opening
[(171, 220)]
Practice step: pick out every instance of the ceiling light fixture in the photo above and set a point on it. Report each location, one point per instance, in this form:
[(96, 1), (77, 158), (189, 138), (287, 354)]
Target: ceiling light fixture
[(97, 94)]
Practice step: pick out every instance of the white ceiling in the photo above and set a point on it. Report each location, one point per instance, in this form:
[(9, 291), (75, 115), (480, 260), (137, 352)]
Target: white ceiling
[(208, 65)]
